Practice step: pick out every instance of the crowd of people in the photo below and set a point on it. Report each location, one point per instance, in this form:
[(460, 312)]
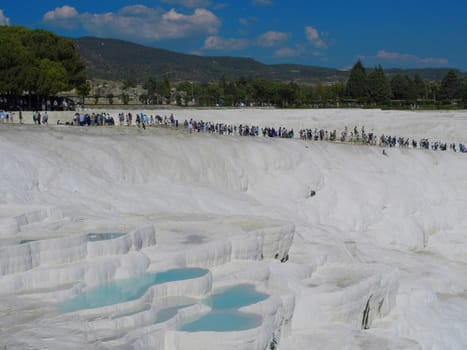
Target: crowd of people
[(9, 117), (142, 120), (359, 136)]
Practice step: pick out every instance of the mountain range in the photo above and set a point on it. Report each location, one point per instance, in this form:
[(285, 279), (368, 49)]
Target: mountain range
[(119, 60)]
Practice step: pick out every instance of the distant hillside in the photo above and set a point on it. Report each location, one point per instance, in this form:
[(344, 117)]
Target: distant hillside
[(425, 73), (120, 60)]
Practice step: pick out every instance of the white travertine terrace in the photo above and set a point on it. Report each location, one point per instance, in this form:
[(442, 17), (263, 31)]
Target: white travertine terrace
[(375, 259), (48, 270)]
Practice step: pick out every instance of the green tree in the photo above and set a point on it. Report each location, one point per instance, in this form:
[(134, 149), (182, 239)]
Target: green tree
[(357, 84), (214, 92), (84, 90), (37, 62), (125, 98), (400, 87), (463, 90), (337, 91), (244, 90), (110, 98), (230, 94), (379, 86), (14, 56), (129, 83), (46, 45), (143, 98), (420, 86), (412, 92), (286, 95), (265, 91), (151, 86), (52, 77), (450, 86), (165, 87), (222, 82), (187, 88), (433, 90)]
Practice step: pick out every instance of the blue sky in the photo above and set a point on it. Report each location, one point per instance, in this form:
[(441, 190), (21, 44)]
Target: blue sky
[(331, 33)]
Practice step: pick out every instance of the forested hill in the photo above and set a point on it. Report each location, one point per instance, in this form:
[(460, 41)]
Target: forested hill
[(120, 60)]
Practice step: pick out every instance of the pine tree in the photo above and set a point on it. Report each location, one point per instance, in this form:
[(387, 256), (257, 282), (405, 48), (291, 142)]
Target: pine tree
[(379, 86), (400, 87), (357, 85), (421, 86), (450, 86), (463, 90)]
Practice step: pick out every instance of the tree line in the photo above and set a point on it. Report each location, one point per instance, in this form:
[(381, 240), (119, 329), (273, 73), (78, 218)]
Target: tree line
[(35, 65), (362, 89), (375, 87)]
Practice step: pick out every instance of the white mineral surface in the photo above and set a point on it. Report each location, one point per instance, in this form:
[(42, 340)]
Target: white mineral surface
[(377, 258)]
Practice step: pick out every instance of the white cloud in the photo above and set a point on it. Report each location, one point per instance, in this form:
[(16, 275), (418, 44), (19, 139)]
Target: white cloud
[(189, 3), (440, 61), (138, 22), (298, 50), (221, 44), (63, 17), (268, 39), (64, 12), (409, 58), (262, 2), (286, 52), (314, 38), (136, 11), (271, 39), (4, 21)]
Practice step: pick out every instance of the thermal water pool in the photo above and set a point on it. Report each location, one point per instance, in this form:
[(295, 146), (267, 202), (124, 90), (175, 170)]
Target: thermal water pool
[(126, 290), (224, 316)]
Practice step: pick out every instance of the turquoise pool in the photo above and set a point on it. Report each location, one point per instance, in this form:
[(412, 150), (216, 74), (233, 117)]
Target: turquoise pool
[(235, 297), (126, 290), (225, 316)]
